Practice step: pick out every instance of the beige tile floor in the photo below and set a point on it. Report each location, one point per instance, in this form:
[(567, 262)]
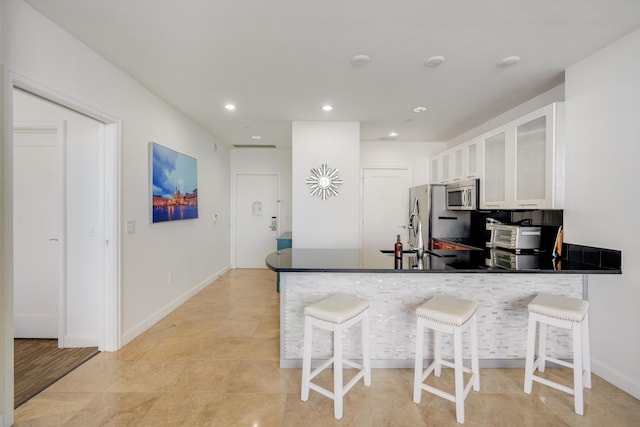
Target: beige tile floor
[(214, 362)]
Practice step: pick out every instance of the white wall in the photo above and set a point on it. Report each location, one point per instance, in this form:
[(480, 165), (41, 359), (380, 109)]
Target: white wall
[(602, 203), (195, 251), (334, 222), (414, 156)]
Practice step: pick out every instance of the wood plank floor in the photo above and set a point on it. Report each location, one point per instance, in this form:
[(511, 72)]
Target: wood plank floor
[(38, 363)]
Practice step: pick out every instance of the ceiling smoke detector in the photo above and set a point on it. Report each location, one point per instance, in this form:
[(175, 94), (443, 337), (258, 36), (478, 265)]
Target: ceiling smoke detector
[(434, 61), (508, 61), (360, 60)]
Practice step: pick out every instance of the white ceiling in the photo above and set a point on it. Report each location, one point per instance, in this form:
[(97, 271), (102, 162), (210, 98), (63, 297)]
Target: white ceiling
[(281, 60)]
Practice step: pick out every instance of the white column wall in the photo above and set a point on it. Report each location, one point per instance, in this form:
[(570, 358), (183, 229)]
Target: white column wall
[(602, 203), (334, 222)]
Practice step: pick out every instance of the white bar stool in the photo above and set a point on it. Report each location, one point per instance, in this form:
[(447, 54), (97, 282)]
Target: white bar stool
[(563, 312), (335, 313), (447, 314)]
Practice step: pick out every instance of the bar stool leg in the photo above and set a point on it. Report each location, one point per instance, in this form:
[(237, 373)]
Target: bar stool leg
[(337, 372), (529, 361), (542, 346), (475, 364), (586, 351), (457, 355), (366, 356), (417, 372), (437, 352), (577, 368), (306, 359)]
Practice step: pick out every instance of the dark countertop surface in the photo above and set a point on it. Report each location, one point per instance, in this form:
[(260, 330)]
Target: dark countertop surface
[(437, 261)]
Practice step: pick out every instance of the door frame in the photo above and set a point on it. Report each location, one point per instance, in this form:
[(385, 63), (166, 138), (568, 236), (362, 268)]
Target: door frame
[(59, 128), (110, 330), (234, 216), (110, 315), (362, 201)]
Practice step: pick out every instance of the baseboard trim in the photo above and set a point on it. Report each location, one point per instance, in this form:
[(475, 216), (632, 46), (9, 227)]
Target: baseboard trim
[(616, 378), (138, 329)]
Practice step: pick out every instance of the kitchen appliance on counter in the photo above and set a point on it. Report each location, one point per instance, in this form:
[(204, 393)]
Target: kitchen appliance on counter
[(507, 260), (429, 217), (514, 237), (462, 195)]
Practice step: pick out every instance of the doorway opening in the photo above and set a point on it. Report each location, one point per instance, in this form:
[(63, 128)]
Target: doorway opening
[(87, 223)]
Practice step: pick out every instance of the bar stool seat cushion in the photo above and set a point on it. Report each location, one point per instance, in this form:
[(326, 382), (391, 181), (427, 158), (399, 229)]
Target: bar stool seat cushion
[(448, 310), (337, 308), (559, 307)]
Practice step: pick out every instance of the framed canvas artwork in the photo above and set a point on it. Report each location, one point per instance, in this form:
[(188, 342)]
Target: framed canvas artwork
[(174, 184)]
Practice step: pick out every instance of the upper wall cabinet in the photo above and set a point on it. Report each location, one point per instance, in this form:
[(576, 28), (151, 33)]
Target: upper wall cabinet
[(458, 163), (493, 185), (524, 162)]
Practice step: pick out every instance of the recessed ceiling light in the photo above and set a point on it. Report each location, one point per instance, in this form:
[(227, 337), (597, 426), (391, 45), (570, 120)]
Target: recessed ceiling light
[(420, 109), (230, 107), (360, 60), (393, 134), (434, 61), (508, 61), (256, 137), (327, 107)]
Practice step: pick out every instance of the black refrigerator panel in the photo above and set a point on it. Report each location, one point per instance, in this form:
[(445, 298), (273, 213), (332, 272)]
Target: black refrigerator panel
[(444, 223), (427, 206)]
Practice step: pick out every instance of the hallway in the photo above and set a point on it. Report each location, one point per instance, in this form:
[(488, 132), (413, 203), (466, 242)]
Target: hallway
[(214, 362)]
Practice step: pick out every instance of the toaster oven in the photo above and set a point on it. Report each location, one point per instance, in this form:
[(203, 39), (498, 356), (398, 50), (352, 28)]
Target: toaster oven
[(514, 237)]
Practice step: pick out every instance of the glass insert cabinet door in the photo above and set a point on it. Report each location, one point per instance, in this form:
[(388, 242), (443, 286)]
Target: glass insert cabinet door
[(531, 153), (495, 170)]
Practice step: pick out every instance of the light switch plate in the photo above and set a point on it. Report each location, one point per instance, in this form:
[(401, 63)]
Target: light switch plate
[(131, 226)]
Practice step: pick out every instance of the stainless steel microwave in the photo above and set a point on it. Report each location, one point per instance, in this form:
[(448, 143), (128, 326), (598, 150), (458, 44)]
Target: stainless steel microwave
[(462, 195)]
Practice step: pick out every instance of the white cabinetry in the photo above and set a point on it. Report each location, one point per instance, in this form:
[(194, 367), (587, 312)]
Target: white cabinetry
[(493, 186), (524, 162), (458, 163), (436, 171), (441, 168), (445, 167), (472, 156)]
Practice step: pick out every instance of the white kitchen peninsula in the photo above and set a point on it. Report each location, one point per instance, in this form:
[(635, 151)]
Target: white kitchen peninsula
[(307, 275)]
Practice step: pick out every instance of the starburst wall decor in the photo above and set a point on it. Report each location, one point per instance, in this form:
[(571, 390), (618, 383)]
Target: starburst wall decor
[(324, 182)]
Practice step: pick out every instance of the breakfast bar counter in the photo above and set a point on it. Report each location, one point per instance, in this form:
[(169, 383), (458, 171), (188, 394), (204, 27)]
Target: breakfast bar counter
[(308, 275)]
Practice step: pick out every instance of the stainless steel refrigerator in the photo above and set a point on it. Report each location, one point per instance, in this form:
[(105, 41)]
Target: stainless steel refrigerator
[(428, 214)]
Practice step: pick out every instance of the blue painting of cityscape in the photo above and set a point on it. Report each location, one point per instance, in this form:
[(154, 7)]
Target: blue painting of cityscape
[(174, 185)]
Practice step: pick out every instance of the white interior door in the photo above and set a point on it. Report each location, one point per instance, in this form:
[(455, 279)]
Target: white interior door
[(385, 211), (37, 231), (256, 218)]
